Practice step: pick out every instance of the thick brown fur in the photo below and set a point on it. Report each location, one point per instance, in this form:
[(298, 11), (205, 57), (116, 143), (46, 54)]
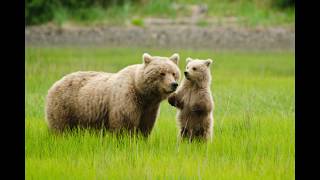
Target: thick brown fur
[(126, 100), (194, 102)]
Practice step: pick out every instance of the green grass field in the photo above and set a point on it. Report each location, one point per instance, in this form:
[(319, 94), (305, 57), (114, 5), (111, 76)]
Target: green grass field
[(254, 133)]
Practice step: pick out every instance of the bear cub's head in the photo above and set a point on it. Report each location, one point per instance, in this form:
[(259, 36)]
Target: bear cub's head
[(161, 73), (197, 70)]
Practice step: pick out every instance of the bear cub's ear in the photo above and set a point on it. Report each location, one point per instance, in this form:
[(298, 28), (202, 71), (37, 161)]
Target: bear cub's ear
[(208, 62), (188, 60), (146, 58), (175, 58)]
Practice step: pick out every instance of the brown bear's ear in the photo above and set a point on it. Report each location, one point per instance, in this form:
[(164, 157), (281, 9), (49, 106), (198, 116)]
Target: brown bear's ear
[(208, 62), (175, 58), (146, 58), (188, 60)]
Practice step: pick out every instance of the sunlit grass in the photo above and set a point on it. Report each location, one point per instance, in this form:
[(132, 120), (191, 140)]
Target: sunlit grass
[(253, 134)]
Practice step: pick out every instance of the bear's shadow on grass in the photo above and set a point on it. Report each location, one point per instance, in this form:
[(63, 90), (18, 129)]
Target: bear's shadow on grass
[(80, 131), (119, 136)]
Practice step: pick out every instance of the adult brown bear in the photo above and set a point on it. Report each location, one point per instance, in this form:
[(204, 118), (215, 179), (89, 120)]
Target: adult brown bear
[(126, 100)]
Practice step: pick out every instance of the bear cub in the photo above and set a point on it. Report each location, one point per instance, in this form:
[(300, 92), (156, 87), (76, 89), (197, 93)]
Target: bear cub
[(194, 101)]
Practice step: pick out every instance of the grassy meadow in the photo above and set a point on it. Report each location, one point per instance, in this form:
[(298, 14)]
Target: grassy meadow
[(254, 132)]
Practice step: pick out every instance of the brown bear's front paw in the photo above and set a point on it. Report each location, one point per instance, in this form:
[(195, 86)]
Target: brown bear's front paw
[(172, 100), (179, 104)]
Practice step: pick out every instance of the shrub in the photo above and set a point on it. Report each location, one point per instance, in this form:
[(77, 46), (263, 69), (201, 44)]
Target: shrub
[(283, 3), (40, 11)]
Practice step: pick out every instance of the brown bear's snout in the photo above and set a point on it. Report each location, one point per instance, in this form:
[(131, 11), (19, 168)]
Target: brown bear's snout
[(174, 85)]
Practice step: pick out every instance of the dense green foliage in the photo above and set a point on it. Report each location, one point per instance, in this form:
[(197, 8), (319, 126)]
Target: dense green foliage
[(283, 3), (254, 133), (42, 11)]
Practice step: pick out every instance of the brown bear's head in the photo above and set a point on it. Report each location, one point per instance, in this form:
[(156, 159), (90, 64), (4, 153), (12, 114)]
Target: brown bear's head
[(198, 71), (161, 74)]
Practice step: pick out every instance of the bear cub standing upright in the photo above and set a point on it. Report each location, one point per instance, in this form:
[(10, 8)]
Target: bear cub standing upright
[(194, 101)]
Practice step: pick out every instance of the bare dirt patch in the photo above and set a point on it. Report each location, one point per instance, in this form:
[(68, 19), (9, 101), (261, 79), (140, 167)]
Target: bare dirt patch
[(163, 34)]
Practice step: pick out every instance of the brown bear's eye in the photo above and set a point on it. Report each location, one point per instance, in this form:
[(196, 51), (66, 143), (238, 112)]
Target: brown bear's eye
[(194, 69), (162, 74)]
